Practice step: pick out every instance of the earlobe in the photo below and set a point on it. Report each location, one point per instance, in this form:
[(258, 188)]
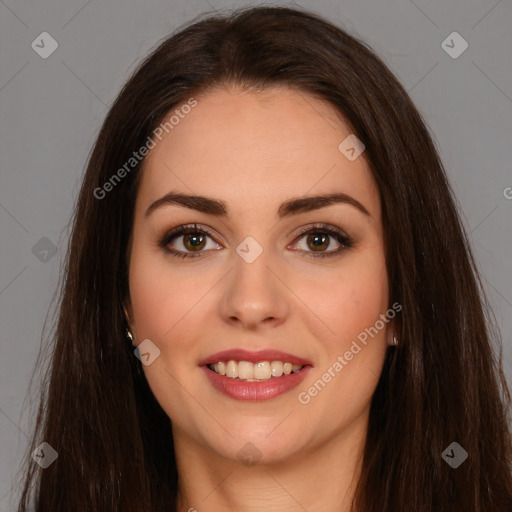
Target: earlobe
[(129, 336)]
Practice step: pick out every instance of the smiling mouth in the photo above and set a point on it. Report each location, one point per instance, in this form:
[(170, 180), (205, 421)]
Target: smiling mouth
[(257, 372)]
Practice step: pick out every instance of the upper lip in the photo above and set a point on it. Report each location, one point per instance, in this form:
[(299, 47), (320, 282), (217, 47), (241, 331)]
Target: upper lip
[(239, 354)]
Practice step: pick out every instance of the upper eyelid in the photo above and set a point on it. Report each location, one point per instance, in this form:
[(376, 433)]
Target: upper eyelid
[(193, 227)]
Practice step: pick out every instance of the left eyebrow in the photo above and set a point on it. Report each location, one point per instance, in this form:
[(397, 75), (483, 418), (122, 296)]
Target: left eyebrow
[(290, 207)]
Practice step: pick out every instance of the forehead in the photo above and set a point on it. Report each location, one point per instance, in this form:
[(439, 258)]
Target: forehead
[(256, 148)]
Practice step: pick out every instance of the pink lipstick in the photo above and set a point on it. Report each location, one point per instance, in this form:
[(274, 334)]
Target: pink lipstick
[(255, 376)]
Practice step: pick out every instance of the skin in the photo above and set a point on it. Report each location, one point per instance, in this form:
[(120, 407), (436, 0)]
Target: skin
[(255, 151)]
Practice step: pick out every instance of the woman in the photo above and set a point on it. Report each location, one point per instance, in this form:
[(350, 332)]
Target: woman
[(265, 218)]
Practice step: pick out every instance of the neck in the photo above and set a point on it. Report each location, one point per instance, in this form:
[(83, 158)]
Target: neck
[(321, 477)]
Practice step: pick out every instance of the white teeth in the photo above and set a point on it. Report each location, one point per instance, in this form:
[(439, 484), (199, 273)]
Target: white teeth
[(261, 371), (245, 370), (232, 369), (276, 368)]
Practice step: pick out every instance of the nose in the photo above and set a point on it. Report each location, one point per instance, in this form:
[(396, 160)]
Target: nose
[(254, 294)]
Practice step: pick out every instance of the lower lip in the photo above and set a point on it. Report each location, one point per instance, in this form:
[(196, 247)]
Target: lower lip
[(265, 390)]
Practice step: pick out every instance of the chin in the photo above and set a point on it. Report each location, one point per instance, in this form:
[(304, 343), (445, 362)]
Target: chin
[(250, 447)]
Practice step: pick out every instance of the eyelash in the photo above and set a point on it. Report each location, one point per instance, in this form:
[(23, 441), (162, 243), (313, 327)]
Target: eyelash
[(345, 241)]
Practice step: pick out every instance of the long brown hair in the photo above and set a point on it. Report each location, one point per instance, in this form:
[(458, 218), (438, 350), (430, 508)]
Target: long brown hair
[(442, 384)]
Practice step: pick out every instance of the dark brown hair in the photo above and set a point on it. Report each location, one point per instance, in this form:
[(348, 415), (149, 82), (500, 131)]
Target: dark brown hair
[(444, 381)]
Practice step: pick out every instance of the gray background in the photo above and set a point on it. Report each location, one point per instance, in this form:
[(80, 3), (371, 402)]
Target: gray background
[(52, 109)]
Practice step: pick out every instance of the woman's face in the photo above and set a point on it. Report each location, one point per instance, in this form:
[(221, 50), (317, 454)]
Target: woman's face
[(249, 280)]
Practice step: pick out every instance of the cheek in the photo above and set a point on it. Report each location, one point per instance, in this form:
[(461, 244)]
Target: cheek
[(349, 299), (162, 296), (349, 370), (167, 310)]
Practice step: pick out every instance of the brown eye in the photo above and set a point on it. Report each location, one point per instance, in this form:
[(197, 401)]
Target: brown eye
[(187, 241), (194, 241), (318, 241)]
